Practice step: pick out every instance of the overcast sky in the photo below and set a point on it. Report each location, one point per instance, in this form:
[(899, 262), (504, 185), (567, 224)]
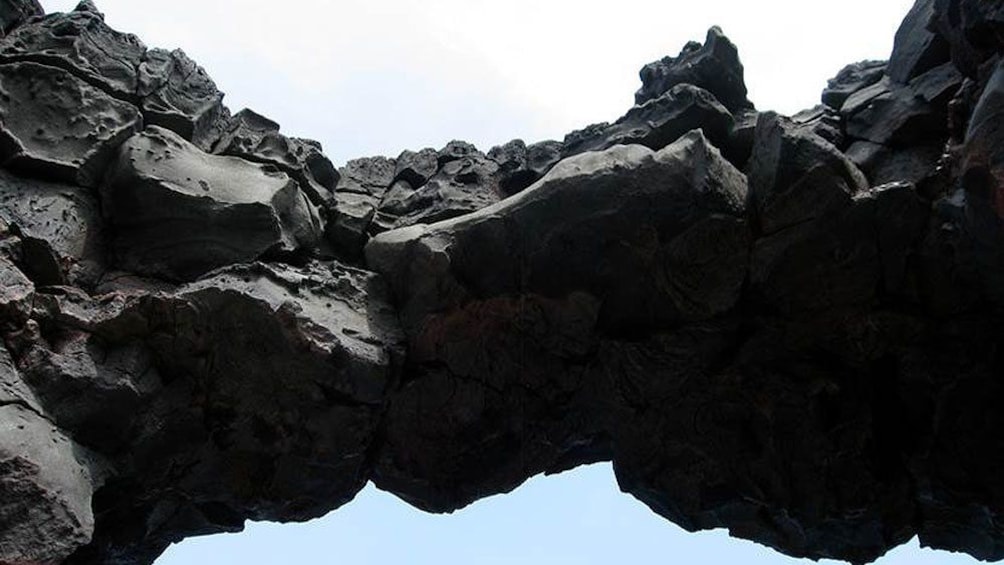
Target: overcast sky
[(368, 77)]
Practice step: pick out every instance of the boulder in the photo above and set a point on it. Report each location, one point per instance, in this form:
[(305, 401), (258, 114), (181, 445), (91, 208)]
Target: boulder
[(361, 187), (178, 212), (607, 243), (46, 486), (520, 165), (416, 168), (177, 94), (80, 42), (890, 114), (972, 29), (713, 66), (254, 137), (461, 186), (851, 79), (59, 227), (16, 295), (55, 126), (795, 175), (823, 121), (657, 122), (916, 49)]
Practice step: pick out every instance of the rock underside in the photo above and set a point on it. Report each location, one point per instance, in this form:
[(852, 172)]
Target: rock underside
[(786, 326)]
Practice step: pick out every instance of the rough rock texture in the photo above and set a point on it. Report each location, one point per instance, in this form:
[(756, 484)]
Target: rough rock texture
[(786, 327), (713, 66), (178, 212), (53, 124)]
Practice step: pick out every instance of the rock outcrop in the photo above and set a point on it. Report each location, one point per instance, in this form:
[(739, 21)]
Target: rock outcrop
[(788, 327)]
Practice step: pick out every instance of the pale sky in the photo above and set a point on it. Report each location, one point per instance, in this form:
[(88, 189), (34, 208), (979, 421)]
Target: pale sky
[(374, 77)]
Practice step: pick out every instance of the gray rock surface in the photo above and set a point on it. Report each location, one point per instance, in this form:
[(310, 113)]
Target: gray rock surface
[(56, 126), (177, 94), (15, 12), (178, 212)]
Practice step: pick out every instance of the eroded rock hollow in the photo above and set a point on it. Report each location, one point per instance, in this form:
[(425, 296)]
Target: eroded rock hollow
[(787, 326)]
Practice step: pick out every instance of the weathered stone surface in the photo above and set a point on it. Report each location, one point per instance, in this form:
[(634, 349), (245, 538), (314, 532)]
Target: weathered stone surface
[(795, 175), (521, 165), (713, 66), (417, 168), (851, 79), (45, 490), (15, 12), (890, 114), (56, 126), (916, 49), (178, 212), (59, 227), (489, 340), (82, 43), (257, 138), (273, 383), (658, 122), (462, 185), (808, 361), (177, 94)]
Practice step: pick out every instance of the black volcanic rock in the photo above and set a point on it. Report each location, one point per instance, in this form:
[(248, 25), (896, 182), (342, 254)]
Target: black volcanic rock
[(59, 227), (658, 122), (179, 212), (177, 94), (256, 138), (56, 126), (521, 165), (916, 49), (757, 337), (796, 176), (851, 79), (82, 43), (713, 66), (15, 12)]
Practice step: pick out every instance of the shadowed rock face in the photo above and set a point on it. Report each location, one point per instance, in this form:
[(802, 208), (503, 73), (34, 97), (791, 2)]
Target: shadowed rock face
[(787, 327)]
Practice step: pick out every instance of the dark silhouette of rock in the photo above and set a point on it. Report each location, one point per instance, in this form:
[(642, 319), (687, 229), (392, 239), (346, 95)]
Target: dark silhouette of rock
[(796, 176), (179, 212), (713, 66), (786, 327), (851, 79), (916, 49), (658, 122), (56, 126)]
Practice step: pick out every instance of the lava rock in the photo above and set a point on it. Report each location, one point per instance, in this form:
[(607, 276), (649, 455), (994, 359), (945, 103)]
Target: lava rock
[(823, 121), (360, 189), (889, 114), (455, 150), (58, 127), (60, 229), (416, 168), (16, 295), (460, 186), (916, 49), (80, 42), (851, 79), (256, 138), (795, 175), (882, 164), (278, 376), (658, 122), (177, 94), (713, 66), (972, 29), (520, 165), (546, 238), (15, 12), (179, 212), (46, 486)]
